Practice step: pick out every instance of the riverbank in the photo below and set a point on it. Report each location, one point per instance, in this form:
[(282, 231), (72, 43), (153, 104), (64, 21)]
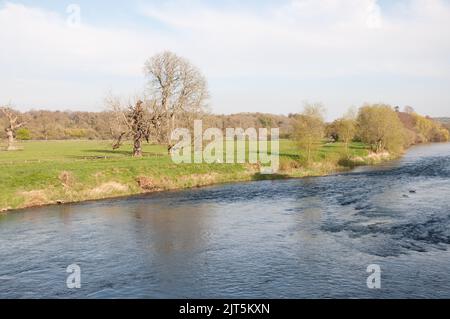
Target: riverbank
[(57, 172)]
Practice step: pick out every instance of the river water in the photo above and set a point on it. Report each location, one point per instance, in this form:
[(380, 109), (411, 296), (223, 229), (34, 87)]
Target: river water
[(309, 238)]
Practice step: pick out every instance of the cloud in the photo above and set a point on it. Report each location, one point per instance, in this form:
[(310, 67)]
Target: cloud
[(254, 54), (46, 62), (45, 39), (315, 38)]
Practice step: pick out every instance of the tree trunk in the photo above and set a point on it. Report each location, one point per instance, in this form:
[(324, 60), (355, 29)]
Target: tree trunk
[(10, 135), (170, 128), (380, 147), (309, 154), (137, 147)]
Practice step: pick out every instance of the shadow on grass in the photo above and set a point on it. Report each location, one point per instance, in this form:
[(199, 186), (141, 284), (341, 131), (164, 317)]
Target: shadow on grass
[(341, 146), (295, 157), (126, 153), (358, 147), (113, 155)]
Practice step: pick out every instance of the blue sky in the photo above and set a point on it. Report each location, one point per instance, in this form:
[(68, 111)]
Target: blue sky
[(265, 56)]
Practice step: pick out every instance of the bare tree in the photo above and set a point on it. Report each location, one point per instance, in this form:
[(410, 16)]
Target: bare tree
[(134, 122), (13, 124), (177, 87)]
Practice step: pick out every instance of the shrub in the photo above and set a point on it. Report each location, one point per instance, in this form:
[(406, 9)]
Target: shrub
[(23, 134)]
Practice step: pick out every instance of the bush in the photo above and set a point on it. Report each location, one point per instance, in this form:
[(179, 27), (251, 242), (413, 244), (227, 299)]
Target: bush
[(23, 134), (381, 128), (76, 133)]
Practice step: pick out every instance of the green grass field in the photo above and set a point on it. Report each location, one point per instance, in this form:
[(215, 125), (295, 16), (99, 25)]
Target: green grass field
[(46, 172)]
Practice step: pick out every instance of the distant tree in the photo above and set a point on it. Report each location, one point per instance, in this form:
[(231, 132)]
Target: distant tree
[(23, 134), (446, 126), (13, 124), (310, 128), (429, 130), (331, 131), (177, 87), (423, 127), (45, 129), (381, 128), (47, 125), (445, 134), (265, 121), (75, 133), (57, 125), (440, 134), (346, 128)]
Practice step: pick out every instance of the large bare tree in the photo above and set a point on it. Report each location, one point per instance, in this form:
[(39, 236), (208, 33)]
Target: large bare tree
[(13, 124), (177, 87)]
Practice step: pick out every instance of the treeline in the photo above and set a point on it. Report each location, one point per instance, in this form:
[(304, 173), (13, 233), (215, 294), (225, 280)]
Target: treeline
[(63, 125), (380, 126), (422, 129), (66, 125), (444, 121)]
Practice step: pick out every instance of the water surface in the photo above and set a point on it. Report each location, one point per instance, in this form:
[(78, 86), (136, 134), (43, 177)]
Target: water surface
[(309, 238)]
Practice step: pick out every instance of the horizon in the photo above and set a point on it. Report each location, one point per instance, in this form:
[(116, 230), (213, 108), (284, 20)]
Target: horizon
[(257, 57)]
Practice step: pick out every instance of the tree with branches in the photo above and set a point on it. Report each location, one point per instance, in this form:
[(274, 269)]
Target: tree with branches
[(380, 127), (135, 122), (177, 87), (13, 124), (177, 92), (346, 129), (310, 128)]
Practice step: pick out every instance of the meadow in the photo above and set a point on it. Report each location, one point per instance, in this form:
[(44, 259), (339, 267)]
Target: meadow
[(53, 172)]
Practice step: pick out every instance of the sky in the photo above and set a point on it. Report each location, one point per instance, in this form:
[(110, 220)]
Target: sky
[(257, 55)]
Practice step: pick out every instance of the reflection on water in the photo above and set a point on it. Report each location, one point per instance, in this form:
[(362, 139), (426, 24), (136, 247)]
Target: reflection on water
[(307, 238), (180, 229)]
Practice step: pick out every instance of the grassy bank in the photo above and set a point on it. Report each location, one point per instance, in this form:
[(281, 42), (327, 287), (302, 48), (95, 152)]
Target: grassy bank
[(48, 172)]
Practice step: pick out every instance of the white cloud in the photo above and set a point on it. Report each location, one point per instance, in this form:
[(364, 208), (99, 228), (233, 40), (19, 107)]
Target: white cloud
[(273, 46), (315, 38), (34, 37), (47, 63)]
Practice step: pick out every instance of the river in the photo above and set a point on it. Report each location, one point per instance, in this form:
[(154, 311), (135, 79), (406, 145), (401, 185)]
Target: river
[(307, 238)]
